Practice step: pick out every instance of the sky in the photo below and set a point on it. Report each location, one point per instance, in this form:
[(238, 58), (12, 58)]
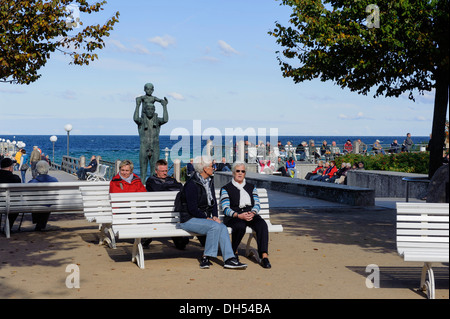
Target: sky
[(216, 64)]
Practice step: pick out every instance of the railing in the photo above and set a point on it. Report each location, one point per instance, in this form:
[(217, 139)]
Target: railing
[(70, 164)]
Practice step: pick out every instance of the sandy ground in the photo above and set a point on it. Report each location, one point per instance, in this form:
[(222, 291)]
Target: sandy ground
[(322, 254)]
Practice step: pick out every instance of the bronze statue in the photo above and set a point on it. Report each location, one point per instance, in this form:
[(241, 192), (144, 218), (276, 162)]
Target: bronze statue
[(149, 125)]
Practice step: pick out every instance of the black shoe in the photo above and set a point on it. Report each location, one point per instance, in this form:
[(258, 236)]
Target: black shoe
[(234, 263), (265, 263), (205, 263)]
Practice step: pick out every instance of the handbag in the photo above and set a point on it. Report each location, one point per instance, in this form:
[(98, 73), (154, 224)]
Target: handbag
[(24, 167)]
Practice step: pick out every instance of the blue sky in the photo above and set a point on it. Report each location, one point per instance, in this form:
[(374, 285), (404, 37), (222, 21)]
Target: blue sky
[(215, 62)]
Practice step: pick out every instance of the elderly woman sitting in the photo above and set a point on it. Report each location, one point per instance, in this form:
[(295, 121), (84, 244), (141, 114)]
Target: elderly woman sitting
[(240, 204), (199, 215)]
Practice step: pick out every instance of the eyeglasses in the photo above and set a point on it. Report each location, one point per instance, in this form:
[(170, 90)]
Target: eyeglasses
[(240, 171)]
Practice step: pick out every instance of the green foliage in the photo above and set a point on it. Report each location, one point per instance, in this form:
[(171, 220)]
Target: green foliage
[(402, 162), (330, 40), (30, 30)]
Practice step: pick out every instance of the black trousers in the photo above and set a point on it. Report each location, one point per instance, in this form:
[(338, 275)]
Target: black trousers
[(238, 231)]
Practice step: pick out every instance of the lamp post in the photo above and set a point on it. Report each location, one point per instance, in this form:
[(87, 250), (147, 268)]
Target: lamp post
[(68, 128), (53, 139)]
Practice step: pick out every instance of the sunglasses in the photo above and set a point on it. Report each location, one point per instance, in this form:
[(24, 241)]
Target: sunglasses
[(240, 171)]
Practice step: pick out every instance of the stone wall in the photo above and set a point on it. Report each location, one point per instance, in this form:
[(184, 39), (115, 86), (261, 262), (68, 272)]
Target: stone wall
[(344, 194), (388, 184)]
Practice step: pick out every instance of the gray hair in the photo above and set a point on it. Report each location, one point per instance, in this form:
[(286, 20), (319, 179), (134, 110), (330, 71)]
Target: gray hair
[(200, 162), (237, 164), (42, 167)]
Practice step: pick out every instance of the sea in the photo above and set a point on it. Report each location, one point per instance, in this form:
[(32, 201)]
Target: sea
[(113, 147)]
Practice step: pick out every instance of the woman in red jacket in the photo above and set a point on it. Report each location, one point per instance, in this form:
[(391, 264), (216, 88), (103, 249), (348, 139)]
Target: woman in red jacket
[(126, 181)]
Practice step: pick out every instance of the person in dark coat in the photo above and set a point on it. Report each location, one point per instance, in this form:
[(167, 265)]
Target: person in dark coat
[(160, 181), (7, 176)]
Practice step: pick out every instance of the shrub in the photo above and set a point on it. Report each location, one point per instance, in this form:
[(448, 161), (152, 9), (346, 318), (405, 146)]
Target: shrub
[(402, 162)]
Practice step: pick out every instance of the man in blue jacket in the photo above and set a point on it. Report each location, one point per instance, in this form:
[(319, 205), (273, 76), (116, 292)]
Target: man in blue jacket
[(42, 167)]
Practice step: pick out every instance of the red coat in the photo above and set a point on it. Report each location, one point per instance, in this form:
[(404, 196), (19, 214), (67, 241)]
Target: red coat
[(332, 171), (118, 185)]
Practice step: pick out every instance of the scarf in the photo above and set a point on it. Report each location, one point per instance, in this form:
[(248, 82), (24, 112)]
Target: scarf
[(128, 180), (244, 197), (205, 183)]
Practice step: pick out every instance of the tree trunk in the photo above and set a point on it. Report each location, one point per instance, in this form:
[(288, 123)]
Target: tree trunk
[(439, 117)]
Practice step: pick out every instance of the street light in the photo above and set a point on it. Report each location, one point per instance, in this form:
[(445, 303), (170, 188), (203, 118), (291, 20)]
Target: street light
[(68, 128), (53, 139)]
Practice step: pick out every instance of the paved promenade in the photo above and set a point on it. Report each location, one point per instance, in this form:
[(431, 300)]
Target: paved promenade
[(322, 254)]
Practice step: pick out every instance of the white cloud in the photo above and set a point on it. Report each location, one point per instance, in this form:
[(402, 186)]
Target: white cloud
[(176, 96), (135, 48), (226, 48), (165, 41), (358, 116)]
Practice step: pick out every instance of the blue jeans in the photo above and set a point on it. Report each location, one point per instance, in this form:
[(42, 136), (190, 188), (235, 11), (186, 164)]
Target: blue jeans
[(216, 236)]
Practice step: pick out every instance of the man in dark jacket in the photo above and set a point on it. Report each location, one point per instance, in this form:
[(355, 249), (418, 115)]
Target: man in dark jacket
[(160, 182), (7, 176)]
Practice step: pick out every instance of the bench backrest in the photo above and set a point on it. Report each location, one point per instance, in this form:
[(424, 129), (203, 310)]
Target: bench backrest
[(158, 207), (41, 197), (96, 201), (422, 225)]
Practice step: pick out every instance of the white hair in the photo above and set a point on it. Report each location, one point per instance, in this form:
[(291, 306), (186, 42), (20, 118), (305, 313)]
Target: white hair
[(200, 162), (237, 164)]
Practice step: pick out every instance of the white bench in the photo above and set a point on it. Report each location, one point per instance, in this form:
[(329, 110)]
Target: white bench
[(97, 209), (422, 236), (99, 174), (150, 215), (63, 197)]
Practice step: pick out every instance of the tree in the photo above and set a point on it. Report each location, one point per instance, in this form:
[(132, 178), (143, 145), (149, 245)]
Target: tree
[(393, 47), (30, 30)]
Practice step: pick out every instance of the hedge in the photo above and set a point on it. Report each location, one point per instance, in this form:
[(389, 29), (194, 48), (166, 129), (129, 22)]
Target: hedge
[(402, 162)]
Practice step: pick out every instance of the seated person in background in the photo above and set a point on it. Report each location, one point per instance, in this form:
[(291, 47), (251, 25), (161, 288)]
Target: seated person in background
[(395, 147), (325, 150), (265, 167), (313, 150), (224, 166), (335, 151), (338, 173), (240, 204), (126, 181), (320, 172), (280, 166), (300, 151), (348, 147), (190, 168), (290, 168), (7, 176), (42, 167), (314, 172), (377, 148), (342, 179), (92, 167), (329, 172), (281, 150), (160, 182)]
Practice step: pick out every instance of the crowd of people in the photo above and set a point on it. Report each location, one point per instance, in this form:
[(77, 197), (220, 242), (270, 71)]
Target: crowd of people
[(23, 162), (311, 151)]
